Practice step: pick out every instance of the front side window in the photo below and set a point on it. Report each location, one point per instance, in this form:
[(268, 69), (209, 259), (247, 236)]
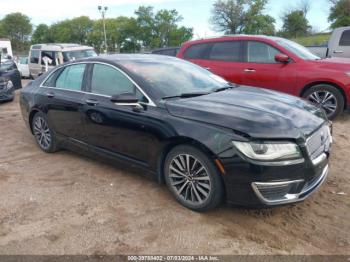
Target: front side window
[(196, 51), (345, 38), (109, 81), (258, 52), (226, 51), (71, 77), (34, 56)]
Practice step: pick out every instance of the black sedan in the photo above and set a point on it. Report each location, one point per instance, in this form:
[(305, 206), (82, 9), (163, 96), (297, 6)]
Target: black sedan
[(207, 139), (10, 80)]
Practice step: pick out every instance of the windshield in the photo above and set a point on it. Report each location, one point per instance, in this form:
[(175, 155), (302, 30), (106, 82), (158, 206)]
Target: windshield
[(77, 54), (297, 49), (174, 77)]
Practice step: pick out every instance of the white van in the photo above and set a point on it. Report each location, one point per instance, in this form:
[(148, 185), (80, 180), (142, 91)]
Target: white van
[(43, 57), (5, 48)]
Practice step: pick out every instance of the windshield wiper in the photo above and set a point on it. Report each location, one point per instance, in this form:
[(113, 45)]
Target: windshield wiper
[(229, 86), (187, 95)]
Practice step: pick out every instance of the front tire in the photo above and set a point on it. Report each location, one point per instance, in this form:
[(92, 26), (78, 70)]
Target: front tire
[(327, 97), (43, 134), (193, 179)]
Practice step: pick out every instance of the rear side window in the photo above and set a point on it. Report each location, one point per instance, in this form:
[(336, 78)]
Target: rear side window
[(226, 51), (34, 56), (345, 38), (196, 51), (258, 52), (71, 77)]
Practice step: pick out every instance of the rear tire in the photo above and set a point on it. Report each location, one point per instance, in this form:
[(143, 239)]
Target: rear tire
[(44, 135), (327, 97), (193, 179)]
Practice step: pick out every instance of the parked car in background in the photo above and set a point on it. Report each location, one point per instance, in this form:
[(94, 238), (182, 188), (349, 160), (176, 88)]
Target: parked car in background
[(169, 51), (55, 54), (207, 139), (5, 48), (10, 80), (337, 46), (275, 63), (23, 67)]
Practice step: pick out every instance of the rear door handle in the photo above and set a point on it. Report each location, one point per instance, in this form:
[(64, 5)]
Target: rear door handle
[(91, 102), (207, 68), (338, 51), (50, 95), (248, 70)]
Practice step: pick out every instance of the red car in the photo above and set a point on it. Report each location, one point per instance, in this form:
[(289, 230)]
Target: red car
[(275, 63)]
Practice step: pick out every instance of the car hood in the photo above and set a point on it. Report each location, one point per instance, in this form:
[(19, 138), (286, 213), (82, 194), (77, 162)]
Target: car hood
[(257, 112), (332, 63)]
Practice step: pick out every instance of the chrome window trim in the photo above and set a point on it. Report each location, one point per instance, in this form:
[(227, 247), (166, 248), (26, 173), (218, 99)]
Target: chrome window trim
[(150, 101)]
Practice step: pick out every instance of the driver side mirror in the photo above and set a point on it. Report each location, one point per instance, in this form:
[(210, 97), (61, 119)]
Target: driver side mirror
[(282, 58), (127, 99)]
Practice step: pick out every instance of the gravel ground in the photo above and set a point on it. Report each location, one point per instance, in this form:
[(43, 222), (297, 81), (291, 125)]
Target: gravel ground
[(64, 203)]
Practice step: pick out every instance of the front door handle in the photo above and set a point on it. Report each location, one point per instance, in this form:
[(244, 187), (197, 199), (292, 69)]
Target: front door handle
[(207, 68), (50, 95), (338, 51), (91, 102), (249, 70)]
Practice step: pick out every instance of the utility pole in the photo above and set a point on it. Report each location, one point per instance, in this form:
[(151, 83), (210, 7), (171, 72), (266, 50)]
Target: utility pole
[(103, 11)]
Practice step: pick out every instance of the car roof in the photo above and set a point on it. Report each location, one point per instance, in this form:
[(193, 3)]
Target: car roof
[(60, 47), (136, 57), (233, 37)]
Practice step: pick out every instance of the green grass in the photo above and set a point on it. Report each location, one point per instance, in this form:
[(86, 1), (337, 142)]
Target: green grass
[(313, 39)]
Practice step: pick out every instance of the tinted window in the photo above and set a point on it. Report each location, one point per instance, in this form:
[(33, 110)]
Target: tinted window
[(50, 56), (259, 52), (109, 81), (226, 51), (71, 77), (23, 60), (34, 56), (345, 38), (168, 52), (196, 51)]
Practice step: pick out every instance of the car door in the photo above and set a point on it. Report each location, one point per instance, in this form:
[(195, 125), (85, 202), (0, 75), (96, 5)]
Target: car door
[(118, 129), (225, 59), (34, 65), (261, 70), (61, 97), (340, 44)]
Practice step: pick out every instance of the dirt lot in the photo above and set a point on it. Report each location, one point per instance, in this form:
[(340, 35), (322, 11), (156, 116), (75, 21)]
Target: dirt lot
[(65, 203)]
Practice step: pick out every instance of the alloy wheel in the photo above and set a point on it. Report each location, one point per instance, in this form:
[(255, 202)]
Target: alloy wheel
[(324, 99), (190, 179), (42, 133)]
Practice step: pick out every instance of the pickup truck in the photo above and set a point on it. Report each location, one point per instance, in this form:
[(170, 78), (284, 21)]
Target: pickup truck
[(338, 45)]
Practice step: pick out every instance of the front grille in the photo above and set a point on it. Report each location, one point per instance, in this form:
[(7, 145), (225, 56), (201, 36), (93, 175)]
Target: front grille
[(319, 142)]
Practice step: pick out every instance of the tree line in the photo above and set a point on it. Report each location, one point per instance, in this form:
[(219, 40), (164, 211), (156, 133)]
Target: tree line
[(150, 29), (147, 30)]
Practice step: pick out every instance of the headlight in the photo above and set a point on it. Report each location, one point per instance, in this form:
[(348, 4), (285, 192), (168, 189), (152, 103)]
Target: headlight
[(271, 152), (9, 85)]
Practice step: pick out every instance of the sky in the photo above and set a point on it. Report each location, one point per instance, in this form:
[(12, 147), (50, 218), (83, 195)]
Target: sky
[(195, 13)]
